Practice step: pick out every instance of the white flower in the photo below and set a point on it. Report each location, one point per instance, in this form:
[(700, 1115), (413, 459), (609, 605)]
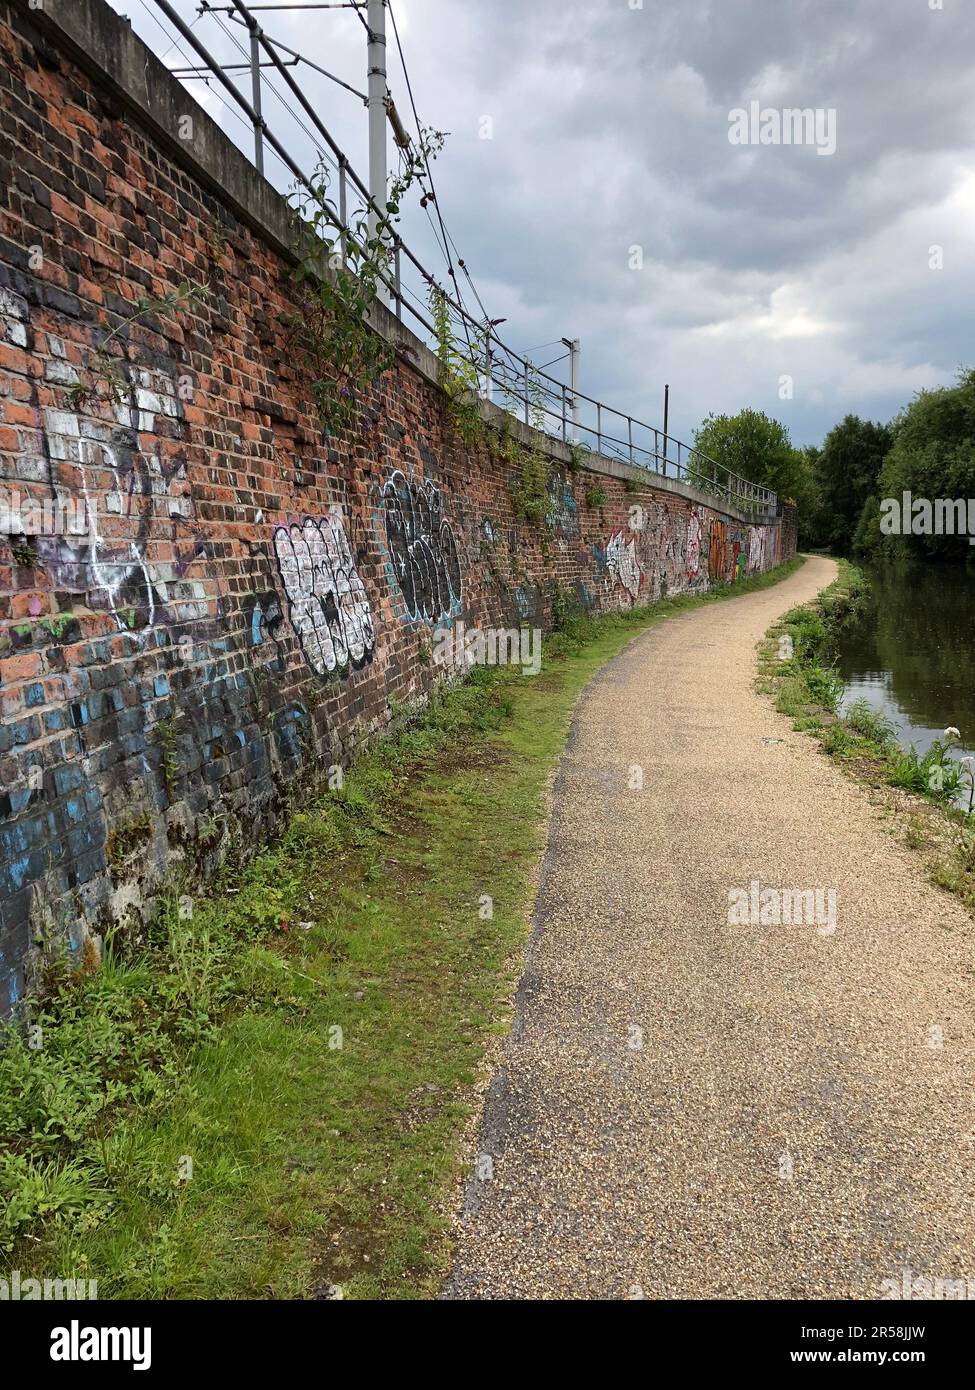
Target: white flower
[(951, 734)]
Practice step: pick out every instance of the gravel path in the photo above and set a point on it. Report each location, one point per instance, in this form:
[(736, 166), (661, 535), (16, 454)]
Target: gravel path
[(688, 1108)]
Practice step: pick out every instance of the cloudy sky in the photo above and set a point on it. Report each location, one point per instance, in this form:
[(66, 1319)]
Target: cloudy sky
[(609, 204)]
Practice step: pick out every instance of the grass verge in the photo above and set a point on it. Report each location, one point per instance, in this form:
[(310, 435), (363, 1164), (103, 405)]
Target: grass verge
[(266, 1097), (920, 790)]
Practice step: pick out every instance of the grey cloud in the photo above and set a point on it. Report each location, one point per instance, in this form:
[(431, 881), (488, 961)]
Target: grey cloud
[(611, 129)]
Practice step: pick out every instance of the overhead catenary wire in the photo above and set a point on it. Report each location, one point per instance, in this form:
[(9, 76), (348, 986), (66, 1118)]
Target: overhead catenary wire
[(444, 239), (308, 62), (223, 102), (276, 145), (427, 163), (322, 153), (526, 383), (460, 260)]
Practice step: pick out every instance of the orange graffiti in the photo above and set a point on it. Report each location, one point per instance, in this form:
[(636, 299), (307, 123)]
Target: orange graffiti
[(718, 557)]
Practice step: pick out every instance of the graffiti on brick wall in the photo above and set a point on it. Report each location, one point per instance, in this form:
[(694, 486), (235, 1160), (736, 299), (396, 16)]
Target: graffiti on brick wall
[(138, 585), (622, 565), (693, 546), (422, 547), (126, 491), (327, 603), (562, 516), (663, 551), (718, 555), (763, 547)]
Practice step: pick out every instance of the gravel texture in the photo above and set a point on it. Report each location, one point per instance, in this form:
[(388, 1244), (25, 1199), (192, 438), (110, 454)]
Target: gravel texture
[(691, 1109)]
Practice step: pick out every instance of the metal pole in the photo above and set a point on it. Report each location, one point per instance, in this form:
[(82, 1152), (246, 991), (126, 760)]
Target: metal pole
[(399, 284), (376, 87), (343, 218), (629, 434), (599, 428), (666, 423), (573, 345), (526, 394), (256, 94), (563, 412), (488, 375)]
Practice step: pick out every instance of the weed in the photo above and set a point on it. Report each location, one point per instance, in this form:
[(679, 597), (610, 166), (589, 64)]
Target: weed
[(167, 730), (24, 551), (126, 837), (870, 723)]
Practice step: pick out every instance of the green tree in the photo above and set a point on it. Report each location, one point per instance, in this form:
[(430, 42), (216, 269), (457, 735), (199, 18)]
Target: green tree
[(756, 447), (867, 535), (933, 456), (846, 474), (807, 500)]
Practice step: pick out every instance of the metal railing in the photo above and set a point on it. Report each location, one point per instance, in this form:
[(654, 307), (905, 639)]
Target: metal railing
[(505, 376)]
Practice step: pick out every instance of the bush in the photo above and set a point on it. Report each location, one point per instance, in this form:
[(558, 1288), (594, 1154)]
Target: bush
[(934, 774), (825, 686), (870, 723)]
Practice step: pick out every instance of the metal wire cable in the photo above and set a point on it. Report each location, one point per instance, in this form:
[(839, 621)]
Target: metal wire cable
[(316, 144), (436, 200), (543, 398), (428, 165), (182, 53)]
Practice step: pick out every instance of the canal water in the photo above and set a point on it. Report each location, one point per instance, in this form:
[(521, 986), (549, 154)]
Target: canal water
[(911, 651)]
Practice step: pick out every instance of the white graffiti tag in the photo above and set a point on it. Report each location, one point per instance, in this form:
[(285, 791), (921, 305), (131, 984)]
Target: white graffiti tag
[(693, 545), (622, 563), (127, 493), (329, 609)]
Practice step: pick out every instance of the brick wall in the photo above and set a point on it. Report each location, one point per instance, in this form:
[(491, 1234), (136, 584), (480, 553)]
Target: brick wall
[(216, 601)]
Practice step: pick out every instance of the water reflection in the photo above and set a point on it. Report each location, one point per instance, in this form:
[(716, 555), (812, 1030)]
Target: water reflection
[(911, 653)]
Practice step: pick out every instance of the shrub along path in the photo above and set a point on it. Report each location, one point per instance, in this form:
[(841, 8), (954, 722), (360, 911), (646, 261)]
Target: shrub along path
[(692, 1108)]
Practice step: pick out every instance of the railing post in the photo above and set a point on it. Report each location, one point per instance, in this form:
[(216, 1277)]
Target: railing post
[(488, 375), (666, 423), (563, 413), (527, 396), (256, 95), (399, 295), (343, 212), (629, 434), (599, 428)]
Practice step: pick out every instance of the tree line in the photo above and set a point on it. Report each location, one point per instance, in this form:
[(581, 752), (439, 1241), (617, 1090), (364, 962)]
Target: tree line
[(839, 487)]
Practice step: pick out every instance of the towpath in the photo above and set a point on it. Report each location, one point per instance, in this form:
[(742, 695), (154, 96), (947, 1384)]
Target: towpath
[(690, 1108)]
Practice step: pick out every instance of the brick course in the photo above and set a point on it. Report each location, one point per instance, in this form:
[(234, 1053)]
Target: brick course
[(166, 668)]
